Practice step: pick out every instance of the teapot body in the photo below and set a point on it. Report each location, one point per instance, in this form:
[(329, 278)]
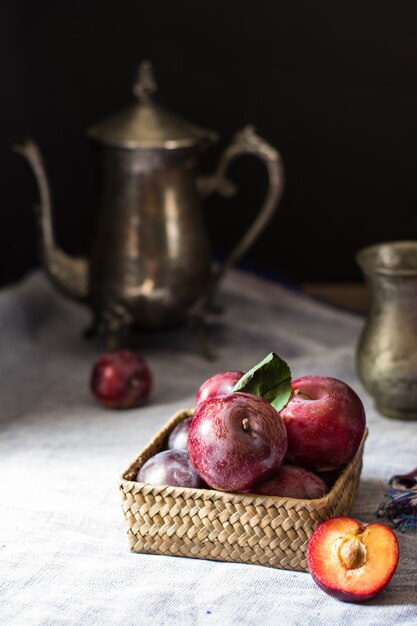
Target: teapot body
[(149, 257)]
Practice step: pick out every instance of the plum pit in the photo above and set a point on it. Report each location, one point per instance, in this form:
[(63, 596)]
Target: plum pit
[(351, 552)]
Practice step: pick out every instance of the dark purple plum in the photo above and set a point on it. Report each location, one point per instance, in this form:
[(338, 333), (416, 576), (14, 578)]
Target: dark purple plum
[(292, 481), (170, 467), (178, 438), (218, 386), (121, 379), (236, 441)]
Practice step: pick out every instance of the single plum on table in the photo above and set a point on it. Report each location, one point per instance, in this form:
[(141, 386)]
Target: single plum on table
[(218, 386), (292, 481), (352, 561), (178, 437), (325, 422), (170, 467), (236, 441), (121, 379)]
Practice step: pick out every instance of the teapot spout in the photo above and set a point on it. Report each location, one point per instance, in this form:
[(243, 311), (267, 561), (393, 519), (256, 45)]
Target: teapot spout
[(69, 274)]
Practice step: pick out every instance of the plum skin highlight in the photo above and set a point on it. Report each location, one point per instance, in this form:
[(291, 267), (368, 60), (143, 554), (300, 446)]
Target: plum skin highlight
[(236, 441)]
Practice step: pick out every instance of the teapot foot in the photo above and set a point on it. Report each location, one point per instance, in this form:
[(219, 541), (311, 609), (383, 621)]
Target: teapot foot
[(197, 321), (200, 335), (114, 324)]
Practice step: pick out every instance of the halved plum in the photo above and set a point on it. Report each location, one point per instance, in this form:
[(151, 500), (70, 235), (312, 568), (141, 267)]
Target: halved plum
[(352, 561)]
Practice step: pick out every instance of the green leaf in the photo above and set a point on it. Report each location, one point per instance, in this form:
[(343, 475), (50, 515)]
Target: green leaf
[(270, 379)]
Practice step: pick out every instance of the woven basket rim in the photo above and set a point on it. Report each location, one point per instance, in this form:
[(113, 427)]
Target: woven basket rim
[(229, 496)]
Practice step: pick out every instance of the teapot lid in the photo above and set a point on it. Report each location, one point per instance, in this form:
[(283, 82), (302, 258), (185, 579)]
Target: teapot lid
[(147, 125)]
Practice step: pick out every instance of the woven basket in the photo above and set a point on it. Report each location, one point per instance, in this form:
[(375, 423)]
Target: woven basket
[(208, 524)]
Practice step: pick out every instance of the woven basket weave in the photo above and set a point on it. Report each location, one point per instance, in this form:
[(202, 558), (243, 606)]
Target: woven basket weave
[(208, 524)]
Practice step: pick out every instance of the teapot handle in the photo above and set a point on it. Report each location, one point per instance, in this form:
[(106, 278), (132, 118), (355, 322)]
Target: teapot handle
[(245, 141)]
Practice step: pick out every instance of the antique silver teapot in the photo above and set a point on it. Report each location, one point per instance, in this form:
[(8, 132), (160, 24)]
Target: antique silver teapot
[(149, 263)]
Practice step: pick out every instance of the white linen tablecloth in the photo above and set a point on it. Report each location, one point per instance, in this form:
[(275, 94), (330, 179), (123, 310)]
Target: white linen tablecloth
[(64, 556)]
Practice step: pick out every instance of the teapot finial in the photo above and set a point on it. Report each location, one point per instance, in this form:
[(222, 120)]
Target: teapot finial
[(145, 83)]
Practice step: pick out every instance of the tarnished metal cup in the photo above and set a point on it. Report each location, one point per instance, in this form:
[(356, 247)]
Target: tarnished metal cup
[(387, 348)]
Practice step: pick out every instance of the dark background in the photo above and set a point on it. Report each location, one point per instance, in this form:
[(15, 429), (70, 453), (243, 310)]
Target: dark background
[(332, 85)]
